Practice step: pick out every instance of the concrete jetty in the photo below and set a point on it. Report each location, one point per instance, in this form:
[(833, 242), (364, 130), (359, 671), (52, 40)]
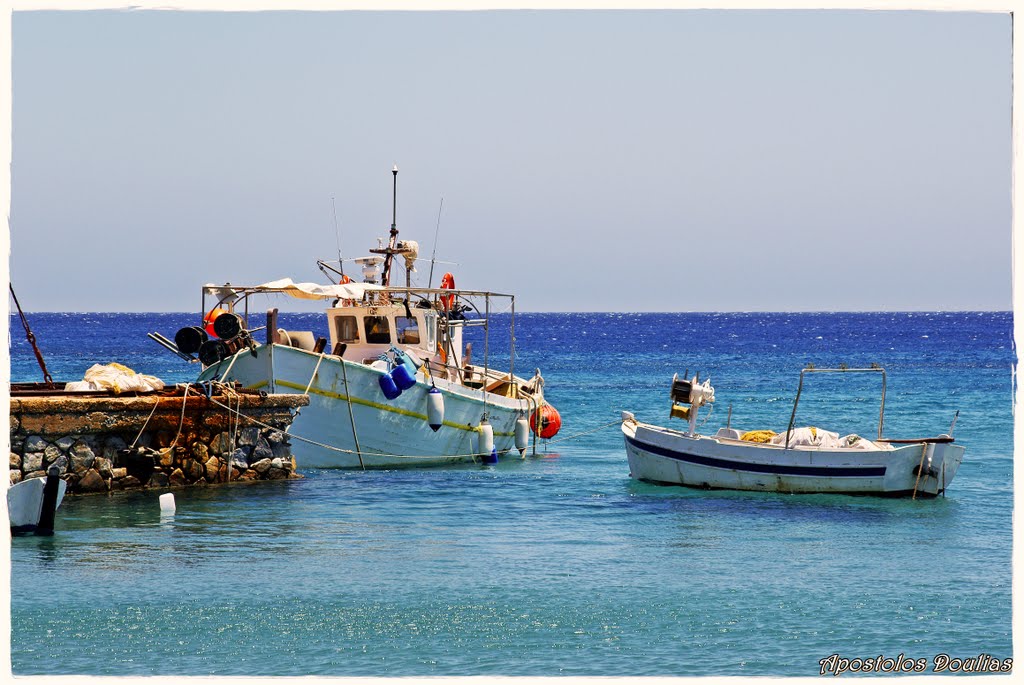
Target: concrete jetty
[(175, 437)]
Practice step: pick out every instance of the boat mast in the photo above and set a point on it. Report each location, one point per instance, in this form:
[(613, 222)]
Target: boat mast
[(389, 251)]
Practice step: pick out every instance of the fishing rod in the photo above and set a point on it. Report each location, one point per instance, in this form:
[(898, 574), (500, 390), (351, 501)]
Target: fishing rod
[(430, 278)]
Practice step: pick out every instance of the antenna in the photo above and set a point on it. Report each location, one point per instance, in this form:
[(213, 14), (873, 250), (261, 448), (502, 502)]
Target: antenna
[(430, 278), (337, 238)]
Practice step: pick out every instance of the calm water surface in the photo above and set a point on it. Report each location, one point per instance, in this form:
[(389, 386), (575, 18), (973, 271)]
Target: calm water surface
[(559, 564)]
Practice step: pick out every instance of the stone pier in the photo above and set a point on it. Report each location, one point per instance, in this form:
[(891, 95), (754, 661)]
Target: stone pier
[(103, 443)]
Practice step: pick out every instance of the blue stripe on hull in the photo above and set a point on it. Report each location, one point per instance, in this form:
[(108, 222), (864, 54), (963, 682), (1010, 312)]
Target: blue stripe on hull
[(779, 469)]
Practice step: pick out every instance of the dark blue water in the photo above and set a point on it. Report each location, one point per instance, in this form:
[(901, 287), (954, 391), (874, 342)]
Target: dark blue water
[(559, 564)]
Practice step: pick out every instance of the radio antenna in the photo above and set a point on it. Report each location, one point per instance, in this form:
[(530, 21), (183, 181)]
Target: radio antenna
[(434, 254), (337, 238)]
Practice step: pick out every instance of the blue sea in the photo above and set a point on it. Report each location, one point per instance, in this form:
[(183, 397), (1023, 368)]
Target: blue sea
[(558, 564)]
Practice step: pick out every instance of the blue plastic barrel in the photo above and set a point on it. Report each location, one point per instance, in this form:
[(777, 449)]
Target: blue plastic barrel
[(388, 386), (403, 379)]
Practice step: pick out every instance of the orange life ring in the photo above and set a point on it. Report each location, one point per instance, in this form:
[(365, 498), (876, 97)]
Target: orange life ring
[(448, 282), (210, 317)]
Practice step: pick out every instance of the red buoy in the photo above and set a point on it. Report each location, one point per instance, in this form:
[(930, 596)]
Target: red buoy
[(448, 283), (210, 317), (344, 279), (550, 421)]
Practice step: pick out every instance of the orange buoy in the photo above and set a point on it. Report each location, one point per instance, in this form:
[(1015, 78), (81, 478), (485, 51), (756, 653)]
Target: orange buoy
[(344, 279), (448, 282), (550, 421), (210, 317)]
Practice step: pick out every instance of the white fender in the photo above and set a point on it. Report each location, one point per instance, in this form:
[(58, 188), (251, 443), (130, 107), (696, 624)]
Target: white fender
[(522, 435), (485, 439), (435, 409)]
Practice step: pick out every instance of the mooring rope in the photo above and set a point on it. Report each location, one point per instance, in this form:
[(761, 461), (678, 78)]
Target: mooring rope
[(587, 432), (155, 405)]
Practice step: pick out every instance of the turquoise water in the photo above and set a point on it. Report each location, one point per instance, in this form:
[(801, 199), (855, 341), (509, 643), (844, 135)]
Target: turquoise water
[(558, 564)]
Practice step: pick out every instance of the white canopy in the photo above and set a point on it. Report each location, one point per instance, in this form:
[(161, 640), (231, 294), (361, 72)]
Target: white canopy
[(316, 291)]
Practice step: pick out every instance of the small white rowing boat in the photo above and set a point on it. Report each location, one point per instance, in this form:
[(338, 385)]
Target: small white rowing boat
[(801, 460)]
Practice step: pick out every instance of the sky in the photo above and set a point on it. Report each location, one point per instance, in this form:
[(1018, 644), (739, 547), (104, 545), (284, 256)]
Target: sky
[(588, 160)]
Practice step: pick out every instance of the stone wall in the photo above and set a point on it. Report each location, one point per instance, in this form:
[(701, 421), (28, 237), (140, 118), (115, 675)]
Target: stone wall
[(106, 443)]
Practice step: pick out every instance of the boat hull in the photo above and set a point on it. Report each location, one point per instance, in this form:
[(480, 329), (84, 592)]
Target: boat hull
[(661, 455), (25, 504), (390, 433)]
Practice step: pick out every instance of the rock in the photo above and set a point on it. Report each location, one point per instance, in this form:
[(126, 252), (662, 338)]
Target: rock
[(92, 481), (200, 452), (130, 482), (212, 468), (239, 460), (249, 436), (163, 438), (193, 470), (62, 464), (15, 477), (277, 474), (15, 462), (116, 484), (15, 424), (166, 457), (51, 453), (158, 480), (274, 437), (221, 444), (261, 451), (32, 461), (66, 442), (112, 447), (280, 450), (177, 478), (34, 474), (277, 463), (260, 466), (249, 474), (81, 455), (103, 466), (118, 474), (34, 443)]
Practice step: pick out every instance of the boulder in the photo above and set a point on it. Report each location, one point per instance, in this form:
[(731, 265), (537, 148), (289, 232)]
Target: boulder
[(130, 482), (15, 462), (212, 468), (248, 436), (15, 424), (277, 463), (261, 451), (200, 452), (260, 466), (281, 450), (62, 464), (92, 481), (277, 474), (119, 474), (239, 459), (249, 474), (166, 457), (157, 480), (221, 444), (66, 442), (112, 447), (32, 461), (274, 437), (51, 453), (34, 474), (177, 478), (81, 454), (102, 465), (193, 470), (15, 476), (34, 443)]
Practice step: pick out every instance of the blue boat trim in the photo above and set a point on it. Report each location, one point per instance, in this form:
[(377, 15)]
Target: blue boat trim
[(782, 470)]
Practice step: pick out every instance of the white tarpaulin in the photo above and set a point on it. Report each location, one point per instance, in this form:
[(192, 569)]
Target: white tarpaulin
[(317, 291), (115, 377)]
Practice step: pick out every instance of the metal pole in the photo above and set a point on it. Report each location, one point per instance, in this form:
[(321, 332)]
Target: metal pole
[(512, 348)]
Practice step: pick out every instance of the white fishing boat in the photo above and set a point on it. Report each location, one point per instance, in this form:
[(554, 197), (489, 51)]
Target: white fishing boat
[(800, 460), (32, 503), (389, 380)]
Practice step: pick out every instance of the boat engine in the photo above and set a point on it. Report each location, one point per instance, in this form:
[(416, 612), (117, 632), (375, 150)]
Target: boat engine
[(688, 396)]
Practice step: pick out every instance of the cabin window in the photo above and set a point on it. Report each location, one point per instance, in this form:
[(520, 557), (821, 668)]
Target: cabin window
[(378, 331), (346, 328), (430, 324), (408, 330)]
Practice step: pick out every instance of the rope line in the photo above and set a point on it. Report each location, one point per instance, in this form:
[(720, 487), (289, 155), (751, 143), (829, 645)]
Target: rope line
[(588, 432)]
